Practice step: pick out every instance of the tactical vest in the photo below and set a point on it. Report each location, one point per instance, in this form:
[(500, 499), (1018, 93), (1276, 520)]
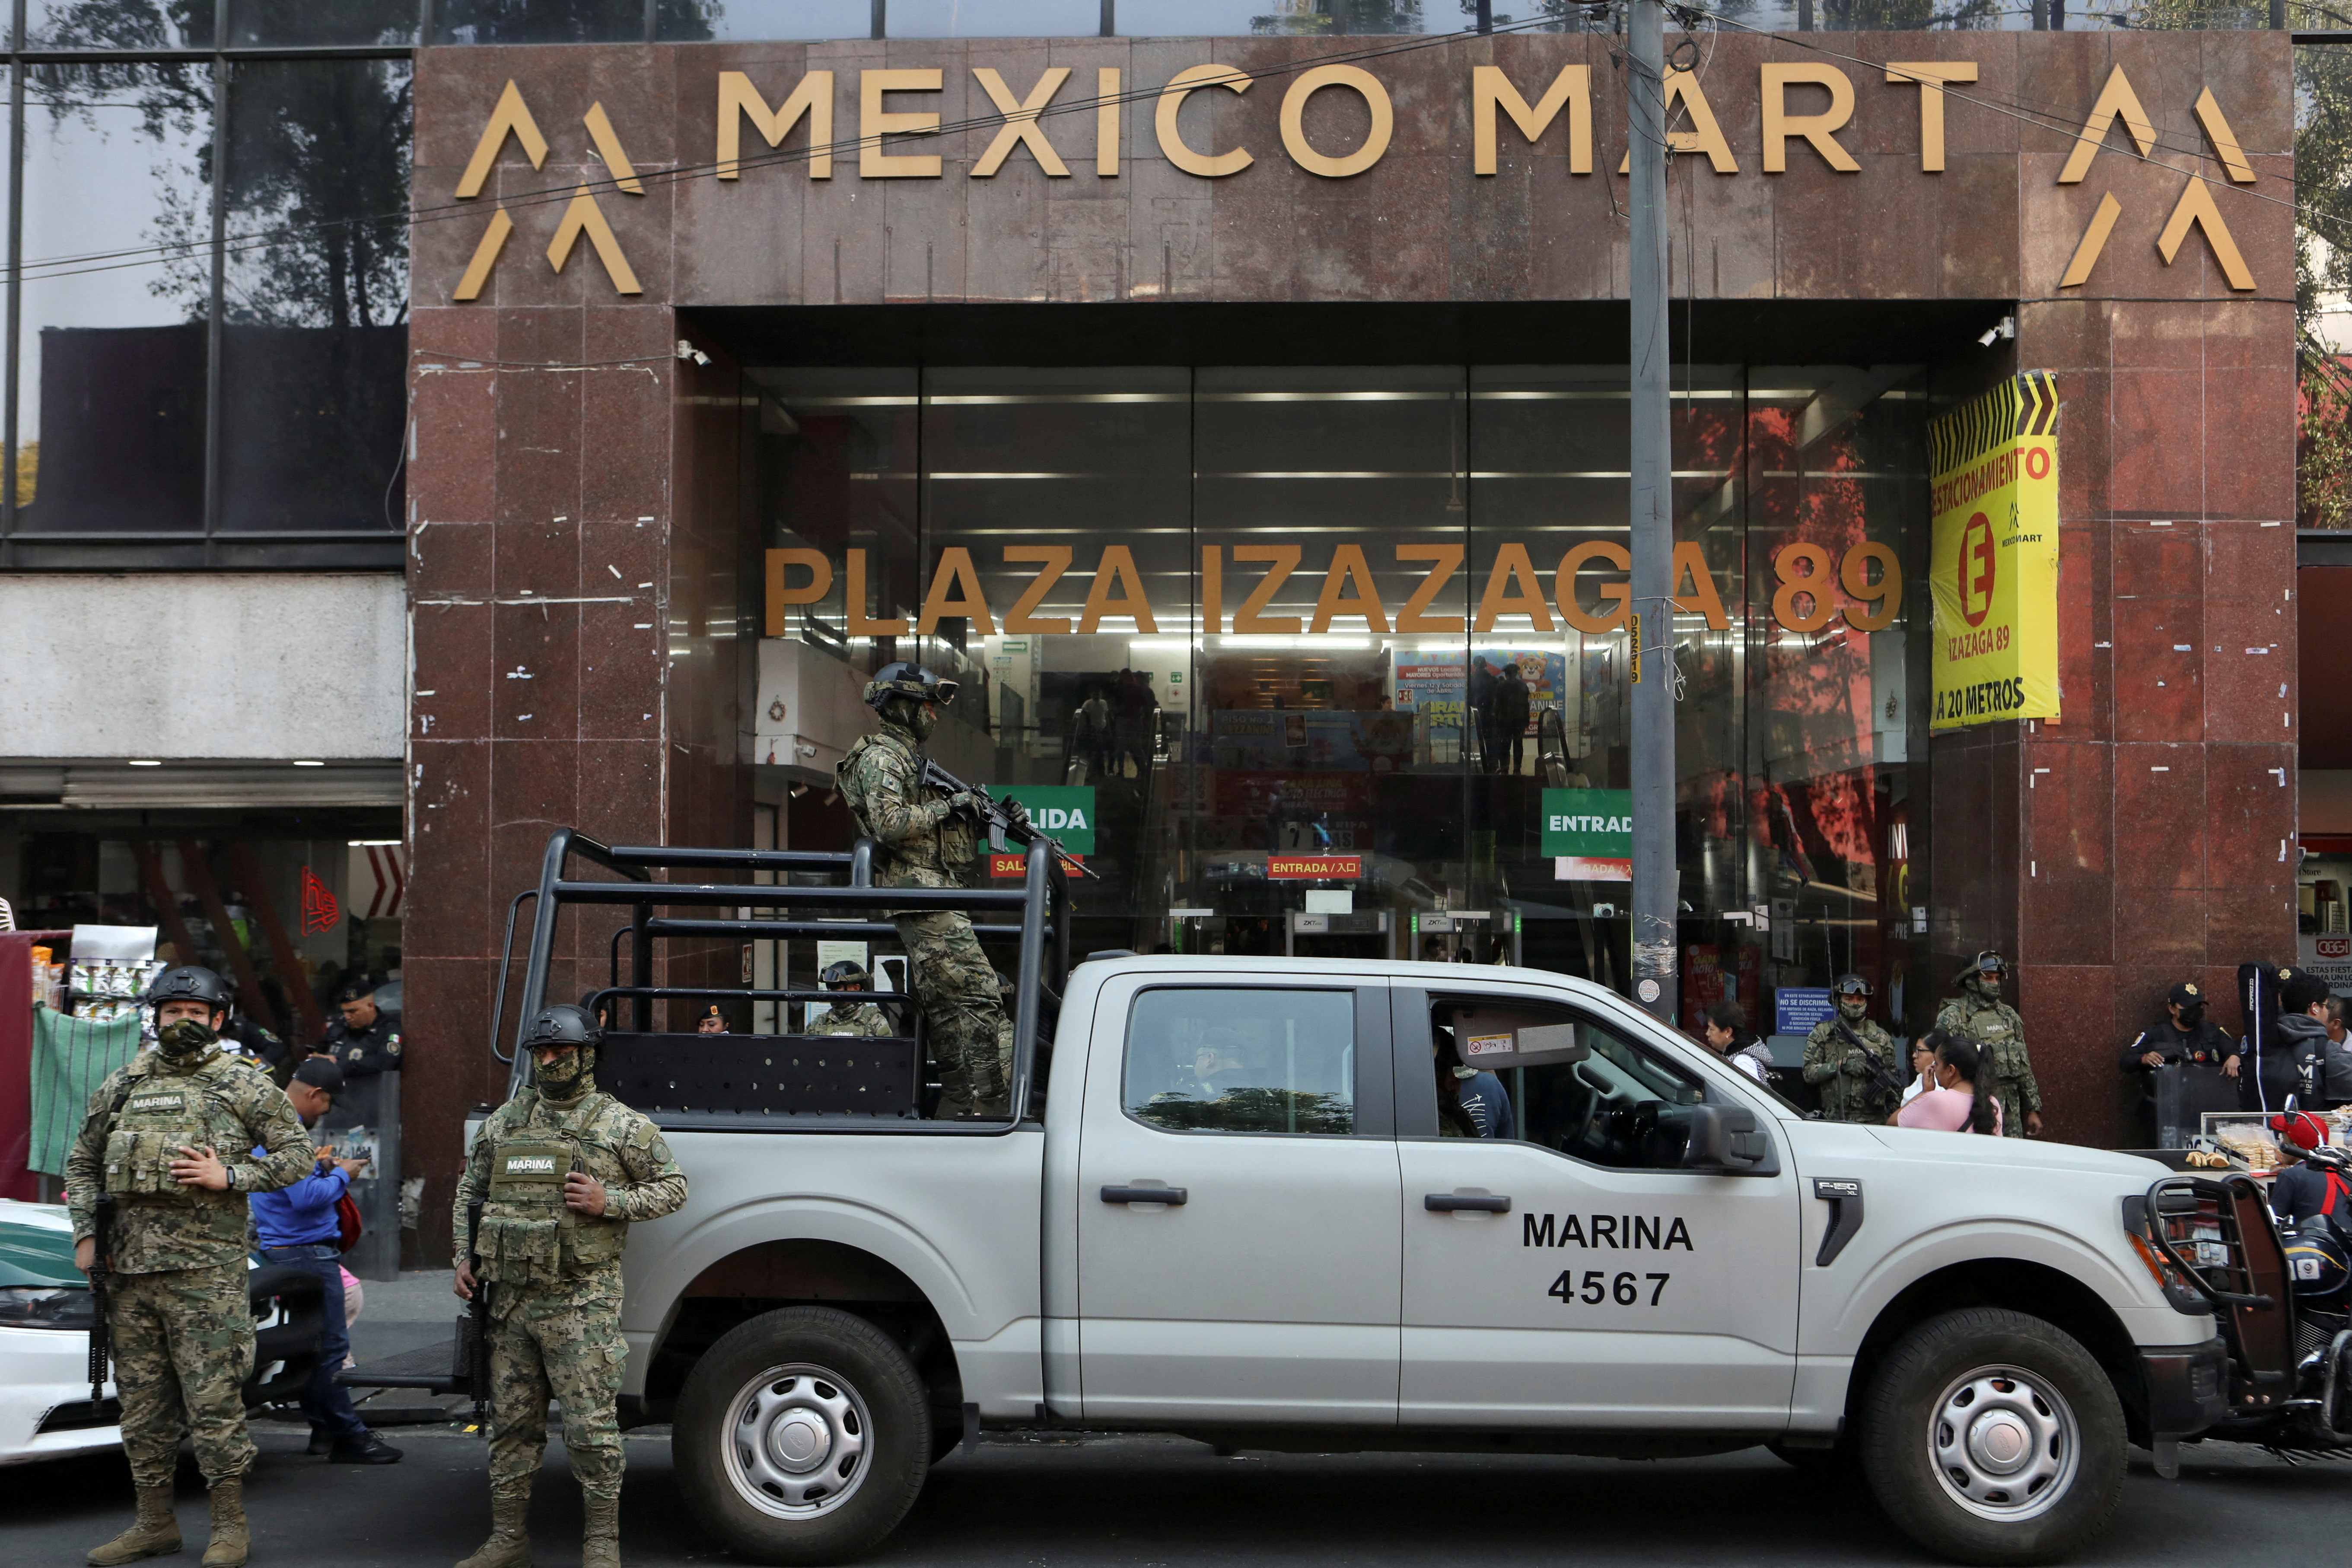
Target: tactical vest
[(528, 1235), (159, 1114), (947, 848)]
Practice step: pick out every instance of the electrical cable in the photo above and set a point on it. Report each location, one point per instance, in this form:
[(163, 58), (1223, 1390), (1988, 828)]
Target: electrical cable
[(46, 268)]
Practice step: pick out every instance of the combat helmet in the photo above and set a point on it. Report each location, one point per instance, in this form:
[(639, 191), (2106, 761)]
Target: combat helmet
[(1985, 962), (847, 971), (1846, 983), (190, 983), (563, 1024), (908, 678)]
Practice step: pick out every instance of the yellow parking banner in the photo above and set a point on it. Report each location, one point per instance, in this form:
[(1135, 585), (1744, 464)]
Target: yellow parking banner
[(1993, 467)]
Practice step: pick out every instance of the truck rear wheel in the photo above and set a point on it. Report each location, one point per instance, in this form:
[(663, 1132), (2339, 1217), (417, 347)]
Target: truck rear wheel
[(1992, 1438), (802, 1437)]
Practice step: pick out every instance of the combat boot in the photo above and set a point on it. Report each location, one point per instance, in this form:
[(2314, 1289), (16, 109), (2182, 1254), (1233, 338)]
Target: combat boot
[(153, 1533), (510, 1543), (600, 1547), (230, 1544)]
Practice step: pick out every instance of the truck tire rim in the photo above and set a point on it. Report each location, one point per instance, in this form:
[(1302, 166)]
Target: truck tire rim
[(2003, 1443), (796, 1440)]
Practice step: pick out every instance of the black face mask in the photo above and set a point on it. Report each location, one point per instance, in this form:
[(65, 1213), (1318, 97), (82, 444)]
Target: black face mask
[(2192, 1015)]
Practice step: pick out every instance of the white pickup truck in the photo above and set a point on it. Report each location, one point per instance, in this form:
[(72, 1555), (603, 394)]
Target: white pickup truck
[(1235, 1209)]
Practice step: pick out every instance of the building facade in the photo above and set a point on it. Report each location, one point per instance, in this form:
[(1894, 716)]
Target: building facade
[(1229, 414)]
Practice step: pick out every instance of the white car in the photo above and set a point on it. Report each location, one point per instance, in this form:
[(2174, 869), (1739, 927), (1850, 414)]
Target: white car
[(44, 1408), (44, 1313)]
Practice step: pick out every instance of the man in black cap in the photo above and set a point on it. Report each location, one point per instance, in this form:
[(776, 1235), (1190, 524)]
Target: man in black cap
[(2291, 1063), (2187, 1039), (364, 1041)]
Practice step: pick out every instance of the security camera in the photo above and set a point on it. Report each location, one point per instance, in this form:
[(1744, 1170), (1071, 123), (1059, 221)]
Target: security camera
[(2004, 328), (687, 351)]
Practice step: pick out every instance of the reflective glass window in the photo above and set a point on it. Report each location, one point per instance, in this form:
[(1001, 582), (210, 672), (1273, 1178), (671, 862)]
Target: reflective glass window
[(544, 21), (1283, 18), (994, 18), (260, 23), (315, 300), (752, 19), (128, 24), (112, 352), (838, 486), (1204, 1059)]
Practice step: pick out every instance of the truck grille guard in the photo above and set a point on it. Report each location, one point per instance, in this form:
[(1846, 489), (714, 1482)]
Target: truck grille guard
[(2213, 1245)]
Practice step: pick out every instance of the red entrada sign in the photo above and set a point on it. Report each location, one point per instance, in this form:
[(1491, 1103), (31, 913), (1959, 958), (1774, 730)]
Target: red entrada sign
[(1314, 867)]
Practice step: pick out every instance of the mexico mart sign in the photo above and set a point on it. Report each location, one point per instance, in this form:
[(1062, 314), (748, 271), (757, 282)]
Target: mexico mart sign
[(1993, 467)]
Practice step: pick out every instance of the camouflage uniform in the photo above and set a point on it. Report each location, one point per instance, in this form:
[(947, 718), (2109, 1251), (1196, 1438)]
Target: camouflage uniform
[(1994, 1025), (923, 844), (853, 1018), (555, 1304), (1846, 1087), (183, 1335)]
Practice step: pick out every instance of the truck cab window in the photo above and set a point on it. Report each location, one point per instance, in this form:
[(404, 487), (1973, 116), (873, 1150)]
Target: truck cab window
[(1556, 1078), (1242, 1059)]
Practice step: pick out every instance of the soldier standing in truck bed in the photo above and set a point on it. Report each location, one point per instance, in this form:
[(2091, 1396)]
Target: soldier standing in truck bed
[(926, 839)]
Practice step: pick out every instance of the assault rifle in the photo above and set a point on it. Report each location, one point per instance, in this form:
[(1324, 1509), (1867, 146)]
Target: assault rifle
[(101, 1280), (475, 1334), (1886, 1081), (1004, 825)]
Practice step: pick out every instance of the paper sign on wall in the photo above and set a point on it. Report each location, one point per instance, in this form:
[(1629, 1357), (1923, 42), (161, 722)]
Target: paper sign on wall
[(1993, 571)]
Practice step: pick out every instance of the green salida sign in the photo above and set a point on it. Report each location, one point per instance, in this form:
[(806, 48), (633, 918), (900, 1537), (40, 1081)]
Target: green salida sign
[(1589, 824), (1066, 810)]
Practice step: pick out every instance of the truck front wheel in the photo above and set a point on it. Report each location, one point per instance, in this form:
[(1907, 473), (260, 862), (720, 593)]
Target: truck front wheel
[(801, 1437), (1992, 1438)]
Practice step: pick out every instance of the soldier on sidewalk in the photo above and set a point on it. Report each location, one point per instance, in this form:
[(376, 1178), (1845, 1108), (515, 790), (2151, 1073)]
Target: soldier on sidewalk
[(559, 1173), (1979, 1015), (929, 842), (166, 1149), (1853, 1060)]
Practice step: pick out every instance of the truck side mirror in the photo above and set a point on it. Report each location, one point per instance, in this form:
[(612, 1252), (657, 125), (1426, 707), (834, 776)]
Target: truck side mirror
[(1724, 1139)]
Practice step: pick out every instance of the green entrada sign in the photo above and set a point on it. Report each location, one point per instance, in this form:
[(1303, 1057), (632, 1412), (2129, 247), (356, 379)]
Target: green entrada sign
[(1066, 810), (1589, 824)]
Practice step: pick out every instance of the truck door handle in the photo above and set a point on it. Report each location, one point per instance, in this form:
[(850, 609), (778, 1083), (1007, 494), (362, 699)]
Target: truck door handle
[(1173, 1196), (1480, 1203)]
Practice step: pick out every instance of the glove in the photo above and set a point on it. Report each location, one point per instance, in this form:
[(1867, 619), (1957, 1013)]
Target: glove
[(964, 802), (1016, 813), (1857, 1062)]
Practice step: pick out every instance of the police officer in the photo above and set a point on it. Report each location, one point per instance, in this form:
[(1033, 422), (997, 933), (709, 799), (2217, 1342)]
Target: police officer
[(926, 839), (2185, 1038), (1851, 1058), (364, 1041), (560, 1170), (850, 1017), (167, 1140), (1979, 1015)]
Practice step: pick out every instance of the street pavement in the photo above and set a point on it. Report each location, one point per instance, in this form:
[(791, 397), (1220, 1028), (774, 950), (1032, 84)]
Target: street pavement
[(1044, 1501), (1164, 1503)]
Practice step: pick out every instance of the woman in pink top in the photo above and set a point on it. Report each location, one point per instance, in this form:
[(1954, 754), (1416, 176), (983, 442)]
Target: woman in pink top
[(1961, 1099)]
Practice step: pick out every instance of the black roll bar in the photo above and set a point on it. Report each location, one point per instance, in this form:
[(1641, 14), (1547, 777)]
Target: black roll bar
[(1042, 904)]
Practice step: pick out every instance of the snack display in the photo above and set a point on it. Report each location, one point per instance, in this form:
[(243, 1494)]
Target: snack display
[(2254, 1145), (105, 988)]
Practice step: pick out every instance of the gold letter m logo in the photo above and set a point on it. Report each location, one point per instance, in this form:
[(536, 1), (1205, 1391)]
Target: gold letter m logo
[(583, 217)]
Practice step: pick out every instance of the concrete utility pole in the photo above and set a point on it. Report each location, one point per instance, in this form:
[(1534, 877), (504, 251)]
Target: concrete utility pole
[(1656, 888)]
